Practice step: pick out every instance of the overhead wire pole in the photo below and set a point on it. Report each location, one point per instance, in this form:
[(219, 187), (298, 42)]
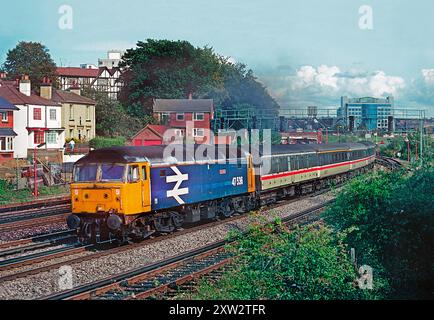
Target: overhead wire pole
[(421, 138)]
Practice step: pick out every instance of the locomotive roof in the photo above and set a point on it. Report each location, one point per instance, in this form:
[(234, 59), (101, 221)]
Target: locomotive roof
[(155, 154)]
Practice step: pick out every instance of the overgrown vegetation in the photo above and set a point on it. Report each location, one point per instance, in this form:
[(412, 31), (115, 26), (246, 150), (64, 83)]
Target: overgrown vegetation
[(309, 263), (388, 218), (398, 146), (102, 142), (9, 195)]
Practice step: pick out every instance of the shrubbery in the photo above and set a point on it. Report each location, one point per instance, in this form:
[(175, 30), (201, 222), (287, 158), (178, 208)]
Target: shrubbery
[(388, 218), (102, 142), (310, 263)]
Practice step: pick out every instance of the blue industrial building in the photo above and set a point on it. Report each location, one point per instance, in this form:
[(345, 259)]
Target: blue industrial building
[(366, 113)]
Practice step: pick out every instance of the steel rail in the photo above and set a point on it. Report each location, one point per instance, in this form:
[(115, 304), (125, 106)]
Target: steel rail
[(89, 290)]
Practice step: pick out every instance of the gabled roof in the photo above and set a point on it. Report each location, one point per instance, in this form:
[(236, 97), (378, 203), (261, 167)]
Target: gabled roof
[(7, 132), (183, 105), (70, 97), (160, 130), (6, 105), (14, 96), (78, 72), (153, 132)]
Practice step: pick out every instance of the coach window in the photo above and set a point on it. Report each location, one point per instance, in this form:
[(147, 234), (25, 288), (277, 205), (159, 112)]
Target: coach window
[(275, 165), (133, 174), (283, 165)]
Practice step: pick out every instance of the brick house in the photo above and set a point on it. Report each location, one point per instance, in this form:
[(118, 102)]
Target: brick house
[(36, 121), (190, 118), (7, 133)]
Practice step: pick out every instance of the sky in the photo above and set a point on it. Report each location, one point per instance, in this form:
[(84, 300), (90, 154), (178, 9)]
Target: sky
[(305, 51)]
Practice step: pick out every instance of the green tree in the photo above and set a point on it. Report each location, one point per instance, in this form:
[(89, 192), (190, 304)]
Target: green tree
[(173, 69), (308, 263), (388, 219), (33, 59), (166, 69), (112, 120)]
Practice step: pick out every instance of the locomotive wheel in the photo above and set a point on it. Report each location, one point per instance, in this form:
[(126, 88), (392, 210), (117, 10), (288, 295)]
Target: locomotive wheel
[(226, 208), (177, 219)]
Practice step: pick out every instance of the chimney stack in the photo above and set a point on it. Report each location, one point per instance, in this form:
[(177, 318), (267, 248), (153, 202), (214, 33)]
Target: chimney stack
[(46, 89), (75, 88), (25, 85), (3, 75)]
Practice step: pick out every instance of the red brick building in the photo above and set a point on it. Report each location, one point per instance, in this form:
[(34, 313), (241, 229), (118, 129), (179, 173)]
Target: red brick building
[(152, 135), (7, 134), (188, 118)]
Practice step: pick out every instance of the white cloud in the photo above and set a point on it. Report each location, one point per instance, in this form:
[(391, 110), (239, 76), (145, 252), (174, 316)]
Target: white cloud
[(331, 81), (428, 75), (323, 76), (324, 85)]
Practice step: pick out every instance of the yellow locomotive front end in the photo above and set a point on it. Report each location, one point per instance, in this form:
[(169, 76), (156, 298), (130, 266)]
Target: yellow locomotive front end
[(107, 196)]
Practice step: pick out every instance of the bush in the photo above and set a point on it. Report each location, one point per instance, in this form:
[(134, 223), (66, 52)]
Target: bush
[(102, 142), (310, 263), (388, 219)]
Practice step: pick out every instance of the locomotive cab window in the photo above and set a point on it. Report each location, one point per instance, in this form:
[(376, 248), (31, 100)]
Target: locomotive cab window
[(85, 173), (112, 172), (133, 174)]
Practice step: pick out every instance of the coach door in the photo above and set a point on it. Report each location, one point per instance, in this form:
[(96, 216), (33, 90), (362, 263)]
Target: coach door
[(146, 187)]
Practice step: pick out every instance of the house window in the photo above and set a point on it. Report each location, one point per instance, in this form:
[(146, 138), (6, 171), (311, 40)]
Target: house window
[(53, 114), (165, 118), (6, 144), (180, 117), (198, 133), (52, 137), (4, 116), (199, 116), (87, 112), (38, 137), (71, 112), (179, 132), (37, 114)]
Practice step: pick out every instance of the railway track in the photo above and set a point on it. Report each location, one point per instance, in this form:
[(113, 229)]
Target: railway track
[(28, 251), (17, 207), (34, 214), (160, 277), (109, 249), (388, 162)]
